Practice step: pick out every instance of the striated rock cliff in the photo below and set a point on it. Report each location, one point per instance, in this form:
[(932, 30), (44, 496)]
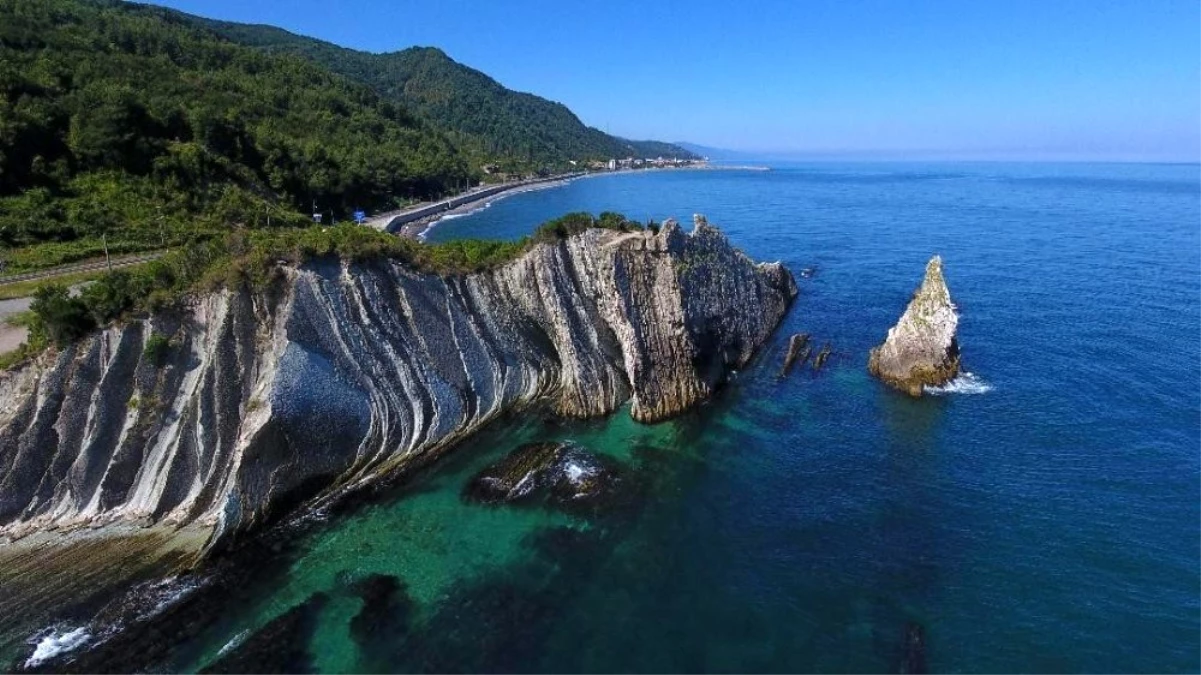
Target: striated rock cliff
[(921, 349), (343, 372)]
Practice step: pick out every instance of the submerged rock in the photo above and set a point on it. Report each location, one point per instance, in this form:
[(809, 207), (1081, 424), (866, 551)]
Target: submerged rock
[(921, 350), (913, 656), (281, 646), (819, 361), (795, 344), (562, 473)]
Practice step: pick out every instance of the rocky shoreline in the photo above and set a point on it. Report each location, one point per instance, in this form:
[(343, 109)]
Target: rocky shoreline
[(342, 373)]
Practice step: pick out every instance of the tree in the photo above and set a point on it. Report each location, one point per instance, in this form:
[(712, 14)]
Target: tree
[(63, 317)]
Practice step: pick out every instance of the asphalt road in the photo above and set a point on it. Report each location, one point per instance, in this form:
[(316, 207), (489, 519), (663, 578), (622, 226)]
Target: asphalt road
[(11, 337)]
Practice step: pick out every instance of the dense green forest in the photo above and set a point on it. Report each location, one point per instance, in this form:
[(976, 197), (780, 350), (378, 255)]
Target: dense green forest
[(489, 119), (133, 125)]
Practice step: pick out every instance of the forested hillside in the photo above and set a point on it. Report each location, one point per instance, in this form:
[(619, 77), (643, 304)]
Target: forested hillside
[(489, 118), (141, 126), (144, 127)]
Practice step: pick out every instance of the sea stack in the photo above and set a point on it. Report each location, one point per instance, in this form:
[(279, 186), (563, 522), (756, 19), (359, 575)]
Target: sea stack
[(921, 350)]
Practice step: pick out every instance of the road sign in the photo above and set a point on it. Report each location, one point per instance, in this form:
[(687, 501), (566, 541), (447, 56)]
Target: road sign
[(360, 216)]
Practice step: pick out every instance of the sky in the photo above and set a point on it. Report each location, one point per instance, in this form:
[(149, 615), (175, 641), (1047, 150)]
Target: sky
[(1000, 79)]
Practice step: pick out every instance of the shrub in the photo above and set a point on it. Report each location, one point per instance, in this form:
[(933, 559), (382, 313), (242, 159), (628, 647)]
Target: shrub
[(108, 297), (64, 318), (158, 347)]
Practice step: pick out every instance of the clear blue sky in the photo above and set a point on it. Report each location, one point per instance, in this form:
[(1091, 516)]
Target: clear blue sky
[(994, 79)]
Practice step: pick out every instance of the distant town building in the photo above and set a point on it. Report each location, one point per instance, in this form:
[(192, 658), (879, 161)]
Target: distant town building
[(612, 165)]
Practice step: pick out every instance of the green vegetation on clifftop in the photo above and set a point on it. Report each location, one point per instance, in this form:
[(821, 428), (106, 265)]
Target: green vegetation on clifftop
[(255, 258)]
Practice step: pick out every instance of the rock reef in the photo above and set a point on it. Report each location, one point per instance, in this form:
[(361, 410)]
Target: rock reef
[(561, 473), (797, 346), (342, 372), (921, 350)]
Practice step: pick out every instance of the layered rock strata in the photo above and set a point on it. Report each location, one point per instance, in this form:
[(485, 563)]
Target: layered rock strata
[(343, 372), (921, 350)]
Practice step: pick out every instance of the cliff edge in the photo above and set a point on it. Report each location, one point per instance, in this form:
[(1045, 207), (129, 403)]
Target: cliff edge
[(921, 350), (252, 402)]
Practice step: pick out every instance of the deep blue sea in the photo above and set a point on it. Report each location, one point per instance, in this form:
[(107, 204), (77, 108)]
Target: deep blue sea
[(1043, 517)]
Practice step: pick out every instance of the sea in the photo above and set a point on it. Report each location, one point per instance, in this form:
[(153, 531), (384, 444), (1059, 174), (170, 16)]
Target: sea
[(1038, 514)]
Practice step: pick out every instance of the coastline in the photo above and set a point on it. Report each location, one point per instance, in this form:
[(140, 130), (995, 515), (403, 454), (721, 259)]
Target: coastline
[(420, 228)]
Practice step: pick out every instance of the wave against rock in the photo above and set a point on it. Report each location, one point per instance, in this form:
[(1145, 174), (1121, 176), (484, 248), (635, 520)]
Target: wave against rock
[(921, 350), (343, 372)]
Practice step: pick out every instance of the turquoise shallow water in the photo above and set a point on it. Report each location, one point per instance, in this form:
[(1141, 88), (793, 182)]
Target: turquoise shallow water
[(1047, 522)]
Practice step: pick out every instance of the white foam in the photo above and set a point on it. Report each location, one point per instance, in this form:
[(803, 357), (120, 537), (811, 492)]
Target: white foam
[(965, 383), (57, 642), (576, 471), (523, 486), (233, 643), (168, 592)]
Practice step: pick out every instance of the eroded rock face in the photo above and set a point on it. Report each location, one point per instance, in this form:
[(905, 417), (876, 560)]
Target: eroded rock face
[(344, 372), (921, 350)]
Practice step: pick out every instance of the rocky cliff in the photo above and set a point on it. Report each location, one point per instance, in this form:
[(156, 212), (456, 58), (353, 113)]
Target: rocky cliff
[(921, 350), (343, 372)]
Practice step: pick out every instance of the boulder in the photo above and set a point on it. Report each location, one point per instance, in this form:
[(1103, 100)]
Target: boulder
[(921, 350)]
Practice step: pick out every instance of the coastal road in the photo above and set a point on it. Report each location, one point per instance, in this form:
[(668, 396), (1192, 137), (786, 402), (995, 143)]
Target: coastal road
[(393, 221), (11, 337)]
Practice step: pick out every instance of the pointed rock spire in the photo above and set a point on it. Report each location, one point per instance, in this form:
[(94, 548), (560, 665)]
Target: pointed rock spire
[(921, 350)]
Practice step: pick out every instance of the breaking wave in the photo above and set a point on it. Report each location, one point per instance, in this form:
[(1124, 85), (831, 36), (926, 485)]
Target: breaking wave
[(234, 642), (965, 383), (54, 642)]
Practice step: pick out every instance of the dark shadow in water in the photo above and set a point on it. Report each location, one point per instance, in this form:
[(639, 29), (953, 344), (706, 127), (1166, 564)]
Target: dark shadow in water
[(913, 547), (913, 650), (380, 627), (913, 424), (500, 622)]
